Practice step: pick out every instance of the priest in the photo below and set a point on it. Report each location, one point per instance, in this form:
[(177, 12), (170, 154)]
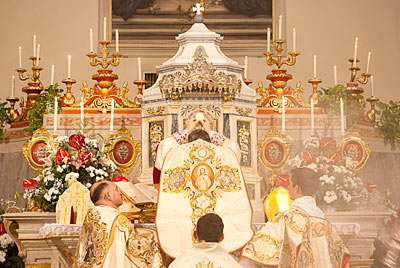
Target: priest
[(300, 236), (108, 238)]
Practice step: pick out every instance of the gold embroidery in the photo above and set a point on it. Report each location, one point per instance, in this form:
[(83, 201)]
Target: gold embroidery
[(141, 245), (269, 251), (297, 221), (205, 265)]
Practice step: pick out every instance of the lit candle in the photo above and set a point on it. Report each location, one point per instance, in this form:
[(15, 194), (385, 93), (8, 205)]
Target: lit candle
[(312, 116), (52, 75), (13, 86), (245, 66), (368, 60), (294, 40), (38, 55), (91, 39), (112, 115), (139, 63), (335, 75), (82, 113), (280, 27), (315, 66), (20, 57), (269, 39), (342, 128), (355, 52), (283, 114), (34, 45), (105, 28), (69, 67), (55, 113), (372, 85), (117, 40)]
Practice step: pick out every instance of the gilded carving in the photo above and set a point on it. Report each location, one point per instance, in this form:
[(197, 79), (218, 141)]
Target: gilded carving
[(37, 148), (244, 142), (154, 111)]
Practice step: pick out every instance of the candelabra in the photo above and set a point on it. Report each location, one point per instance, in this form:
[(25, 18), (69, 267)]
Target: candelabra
[(371, 113), (314, 85), (353, 84), (68, 99), (139, 96)]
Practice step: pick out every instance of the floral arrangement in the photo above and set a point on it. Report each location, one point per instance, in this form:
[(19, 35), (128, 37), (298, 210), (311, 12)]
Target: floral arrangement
[(75, 157), (341, 188)]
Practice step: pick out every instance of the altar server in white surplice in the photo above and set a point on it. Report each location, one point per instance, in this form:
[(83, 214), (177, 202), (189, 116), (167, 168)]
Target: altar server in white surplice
[(208, 251), (199, 178), (301, 237), (108, 239)]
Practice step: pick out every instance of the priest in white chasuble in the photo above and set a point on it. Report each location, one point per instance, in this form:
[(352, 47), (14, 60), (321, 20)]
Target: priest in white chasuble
[(108, 239), (301, 236), (199, 178)]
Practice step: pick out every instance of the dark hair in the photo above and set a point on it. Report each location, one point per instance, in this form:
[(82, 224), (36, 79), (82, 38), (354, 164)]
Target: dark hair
[(210, 228), (307, 179), (199, 134), (95, 196)]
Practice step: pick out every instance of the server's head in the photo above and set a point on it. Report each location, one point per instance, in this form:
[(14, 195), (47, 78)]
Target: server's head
[(210, 228), (199, 134), (107, 193), (304, 181)]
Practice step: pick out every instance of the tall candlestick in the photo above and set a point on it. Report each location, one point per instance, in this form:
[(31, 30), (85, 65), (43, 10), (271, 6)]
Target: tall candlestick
[(245, 66), (82, 113), (280, 27), (335, 75), (139, 63), (112, 115), (355, 52), (19, 57), (312, 116), (372, 85), (315, 66), (69, 67), (13, 86), (283, 114), (294, 40), (55, 113), (38, 55), (91, 39), (105, 28), (117, 40), (342, 128), (368, 60), (52, 75), (269, 39), (34, 45)]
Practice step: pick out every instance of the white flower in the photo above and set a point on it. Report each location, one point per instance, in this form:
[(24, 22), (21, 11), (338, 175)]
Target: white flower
[(330, 196), (49, 178), (346, 196), (91, 174), (313, 166), (312, 142), (88, 185), (325, 179), (59, 169), (71, 175), (2, 256), (350, 163), (62, 139), (47, 197)]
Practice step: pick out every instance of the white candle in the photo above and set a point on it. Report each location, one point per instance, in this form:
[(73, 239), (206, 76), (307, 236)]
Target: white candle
[(315, 66), (245, 66), (139, 63), (312, 115), (13, 86), (368, 60), (280, 27), (34, 45), (372, 85), (117, 40), (55, 113), (52, 75), (355, 52), (283, 114), (335, 75), (69, 67), (112, 115), (105, 28), (294, 40), (91, 39), (38, 55), (269, 39), (82, 113), (20, 57), (342, 128)]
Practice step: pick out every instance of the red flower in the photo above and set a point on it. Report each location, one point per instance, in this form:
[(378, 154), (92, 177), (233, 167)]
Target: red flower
[(62, 156), (327, 143), (76, 141), (2, 229), (335, 157), (83, 158), (282, 180), (29, 183), (120, 178), (308, 157)]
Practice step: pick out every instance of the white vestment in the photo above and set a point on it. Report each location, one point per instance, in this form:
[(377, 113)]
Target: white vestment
[(205, 255)]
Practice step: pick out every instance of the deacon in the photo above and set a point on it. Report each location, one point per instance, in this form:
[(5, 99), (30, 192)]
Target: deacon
[(108, 238), (301, 236)]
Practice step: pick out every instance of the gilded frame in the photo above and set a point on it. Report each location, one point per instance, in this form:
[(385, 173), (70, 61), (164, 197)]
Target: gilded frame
[(357, 143), (274, 140), (39, 136)]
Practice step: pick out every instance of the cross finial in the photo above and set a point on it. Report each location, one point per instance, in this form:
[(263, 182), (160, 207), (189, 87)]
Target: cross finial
[(198, 8)]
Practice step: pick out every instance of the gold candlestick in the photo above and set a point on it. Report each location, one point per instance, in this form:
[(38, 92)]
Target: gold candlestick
[(139, 96), (279, 60), (314, 85), (247, 81), (13, 113), (371, 113), (68, 99), (353, 84), (104, 62)]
